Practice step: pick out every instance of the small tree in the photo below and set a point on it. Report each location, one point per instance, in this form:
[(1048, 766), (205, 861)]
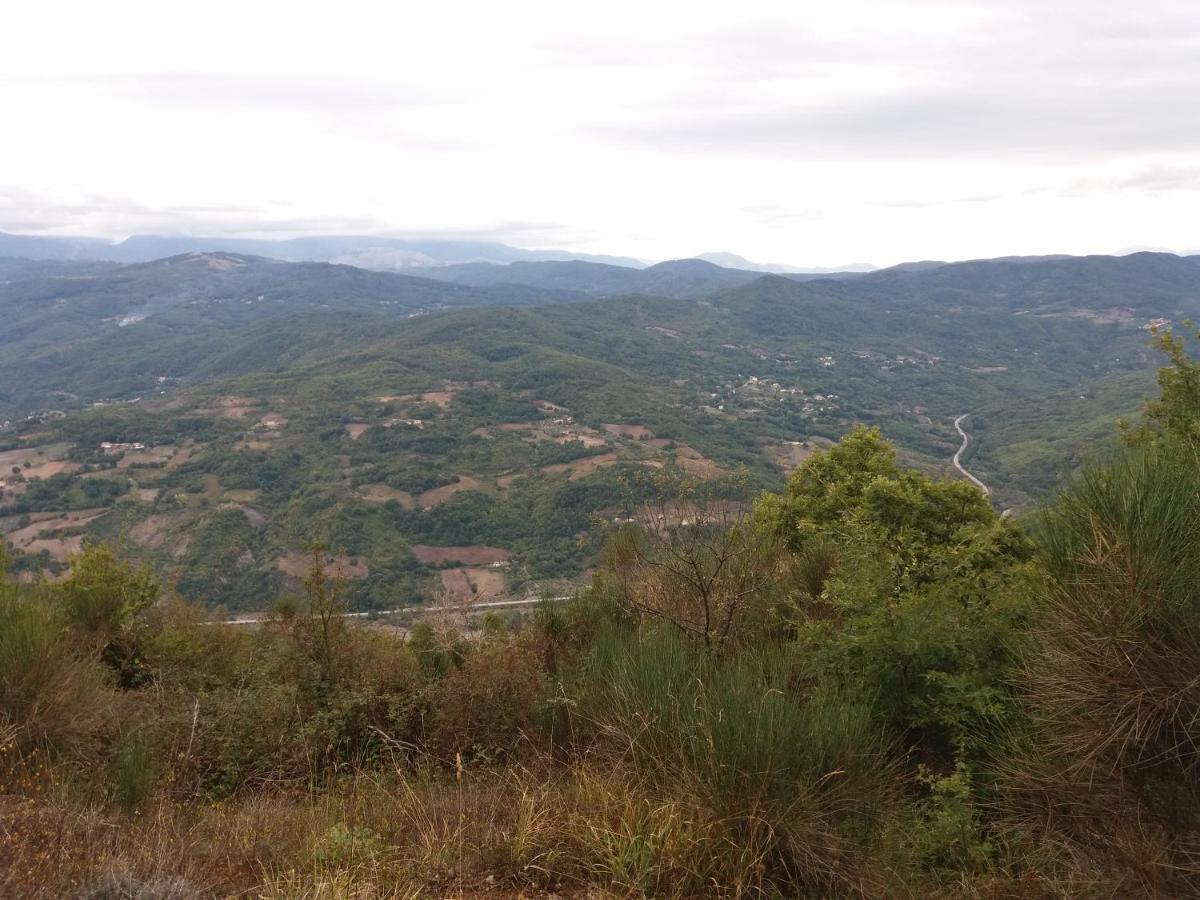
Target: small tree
[(691, 559), (321, 630)]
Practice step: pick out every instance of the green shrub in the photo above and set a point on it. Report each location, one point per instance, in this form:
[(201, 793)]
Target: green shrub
[(56, 698), (812, 766)]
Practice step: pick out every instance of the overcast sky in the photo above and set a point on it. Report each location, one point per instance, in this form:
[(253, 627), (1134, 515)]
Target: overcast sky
[(797, 132)]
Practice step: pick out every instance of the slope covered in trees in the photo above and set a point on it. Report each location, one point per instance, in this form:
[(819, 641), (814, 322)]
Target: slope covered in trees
[(281, 404), (868, 684)]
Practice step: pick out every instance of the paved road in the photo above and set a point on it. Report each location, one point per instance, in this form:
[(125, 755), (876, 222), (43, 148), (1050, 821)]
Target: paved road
[(418, 610), (958, 456)]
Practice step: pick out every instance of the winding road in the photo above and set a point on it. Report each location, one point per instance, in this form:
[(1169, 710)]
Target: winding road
[(966, 439)]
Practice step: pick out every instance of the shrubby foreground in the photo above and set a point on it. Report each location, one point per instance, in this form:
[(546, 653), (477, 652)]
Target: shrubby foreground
[(870, 685)]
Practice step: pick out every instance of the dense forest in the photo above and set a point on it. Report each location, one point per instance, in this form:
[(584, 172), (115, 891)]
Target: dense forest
[(868, 683)]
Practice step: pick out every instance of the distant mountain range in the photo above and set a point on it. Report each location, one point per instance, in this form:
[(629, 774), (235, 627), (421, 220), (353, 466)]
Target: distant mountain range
[(365, 252), (733, 261)]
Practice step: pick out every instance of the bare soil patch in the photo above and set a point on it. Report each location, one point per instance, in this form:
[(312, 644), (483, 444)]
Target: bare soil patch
[(637, 432), (356, 429), (475, 555), (253, 516), (438, 398), (60, 549), (297, 565), (35, 456), (237, 407), (47, 469), (696, 463), (242, 496), (581, 468), (473, 584), (440, 495), (151, 456), (381, 493), (588, 440), (789, 454), (152, 531), (27, 539)]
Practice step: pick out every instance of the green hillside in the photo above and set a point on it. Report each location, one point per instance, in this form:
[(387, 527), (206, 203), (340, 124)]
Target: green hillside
[(365, 411)]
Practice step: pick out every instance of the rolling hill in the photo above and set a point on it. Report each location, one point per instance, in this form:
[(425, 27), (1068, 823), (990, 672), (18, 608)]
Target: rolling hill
[(423, 426)]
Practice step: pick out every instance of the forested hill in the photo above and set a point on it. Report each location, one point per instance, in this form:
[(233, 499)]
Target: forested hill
[(285, 403), (676, 278), (76, 332)]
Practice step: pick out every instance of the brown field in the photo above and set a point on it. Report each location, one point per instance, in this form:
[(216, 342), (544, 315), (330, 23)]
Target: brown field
[(381, 493), (297, 565), (473, 584), (439, 398), (789, 454), (588, 440), (152, 531), (151, 456), (445, 492), (182, 455), (35, 456), (505, 481), (247, 496), (515, 426), (47, 469), (476, 555), (146, 495), (233, 407), (696, 463), (637, 432), (356, 429), (581, 468), (60, 548)]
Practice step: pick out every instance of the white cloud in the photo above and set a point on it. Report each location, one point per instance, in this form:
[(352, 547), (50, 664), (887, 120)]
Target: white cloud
[(811, 133)]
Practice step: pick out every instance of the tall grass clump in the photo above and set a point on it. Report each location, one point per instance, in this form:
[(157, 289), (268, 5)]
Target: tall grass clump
[(1108, 770), (799, 774), (51, 695)]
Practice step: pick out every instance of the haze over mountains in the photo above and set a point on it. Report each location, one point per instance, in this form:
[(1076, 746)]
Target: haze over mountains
[(381, 253), (501, 405)]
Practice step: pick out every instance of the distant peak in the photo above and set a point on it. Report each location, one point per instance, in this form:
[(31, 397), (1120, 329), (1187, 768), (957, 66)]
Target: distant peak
[(684, 265)]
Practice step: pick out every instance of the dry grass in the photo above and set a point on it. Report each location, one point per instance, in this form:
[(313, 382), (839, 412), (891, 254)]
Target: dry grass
[(587, 831)]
